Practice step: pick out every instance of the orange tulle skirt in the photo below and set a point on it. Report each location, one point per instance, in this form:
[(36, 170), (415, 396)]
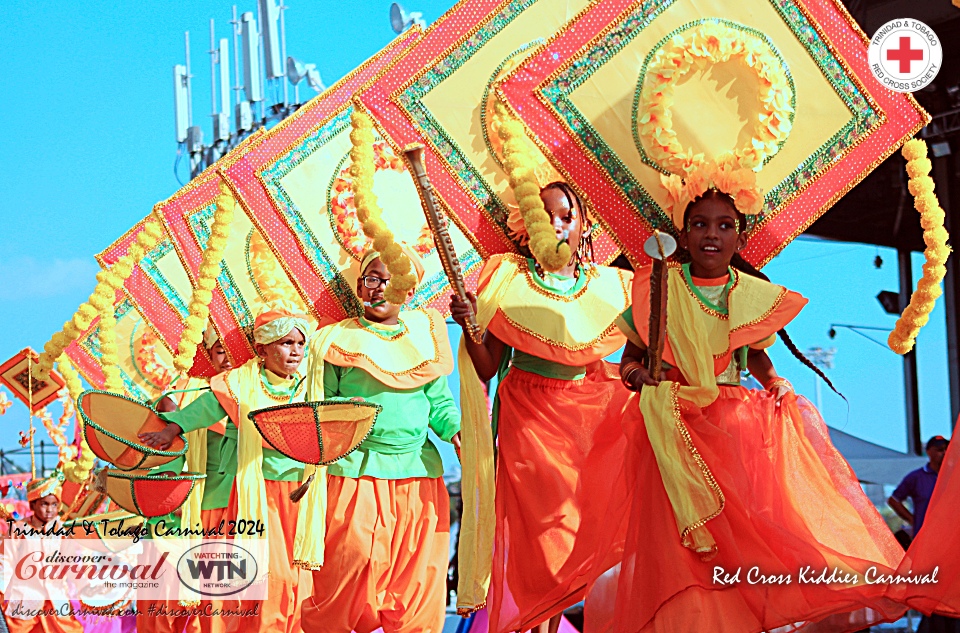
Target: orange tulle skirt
[(795, 521), (936, 547), (560, 495)]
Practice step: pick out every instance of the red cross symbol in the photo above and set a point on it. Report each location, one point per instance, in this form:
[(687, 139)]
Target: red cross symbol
[(905, 54)]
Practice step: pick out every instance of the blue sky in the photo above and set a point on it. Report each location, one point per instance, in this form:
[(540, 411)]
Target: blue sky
[(89, 148)]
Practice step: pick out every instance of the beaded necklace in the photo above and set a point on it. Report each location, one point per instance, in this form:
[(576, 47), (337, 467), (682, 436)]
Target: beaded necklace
[(282, 394), (706, 303)]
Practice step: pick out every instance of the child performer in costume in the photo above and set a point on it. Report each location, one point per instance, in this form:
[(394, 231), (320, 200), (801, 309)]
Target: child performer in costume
[(556, 416), (210, 497), (44, 524), (264, 477), (738, 493), (208, 501), (388, 520)]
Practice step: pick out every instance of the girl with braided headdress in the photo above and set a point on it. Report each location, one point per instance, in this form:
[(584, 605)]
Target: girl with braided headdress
[(556, 419)]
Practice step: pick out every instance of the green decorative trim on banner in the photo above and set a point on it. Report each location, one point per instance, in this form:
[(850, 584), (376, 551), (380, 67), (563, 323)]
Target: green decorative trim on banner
[(557, 94), (149, 266), (411, 100), (486, 95), (200, 224), (272, 176)]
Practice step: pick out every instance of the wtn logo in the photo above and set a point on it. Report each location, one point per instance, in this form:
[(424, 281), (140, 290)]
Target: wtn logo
[(221, 568), (224, 569)]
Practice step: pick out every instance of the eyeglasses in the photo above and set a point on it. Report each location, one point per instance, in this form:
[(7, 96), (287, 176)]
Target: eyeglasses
[(372, 283)]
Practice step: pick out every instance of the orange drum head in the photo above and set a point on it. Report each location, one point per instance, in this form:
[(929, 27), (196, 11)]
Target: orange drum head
[(112, 424), (147, 492), (317, 433)]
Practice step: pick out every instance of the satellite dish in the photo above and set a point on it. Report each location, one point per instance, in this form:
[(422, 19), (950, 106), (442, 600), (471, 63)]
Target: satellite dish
[(295, 71), (313, 78), (400, 20)]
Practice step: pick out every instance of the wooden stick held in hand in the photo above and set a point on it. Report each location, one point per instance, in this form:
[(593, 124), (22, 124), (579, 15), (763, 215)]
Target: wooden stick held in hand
[(413, 155)]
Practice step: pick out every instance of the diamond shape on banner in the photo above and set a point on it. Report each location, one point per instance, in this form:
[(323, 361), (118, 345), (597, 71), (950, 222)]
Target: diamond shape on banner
[(577, 95), (439, 93), (294, 183)]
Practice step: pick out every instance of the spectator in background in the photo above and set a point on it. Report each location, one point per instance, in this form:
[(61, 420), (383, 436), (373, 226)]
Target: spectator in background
[(918, 485)]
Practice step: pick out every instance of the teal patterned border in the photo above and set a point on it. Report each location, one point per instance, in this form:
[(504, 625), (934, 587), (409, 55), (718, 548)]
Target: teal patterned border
[(410, 100), (686, 27), (335, 281), (91, 343), (318, 256), (557, 94), (149, 266), (200, 224)]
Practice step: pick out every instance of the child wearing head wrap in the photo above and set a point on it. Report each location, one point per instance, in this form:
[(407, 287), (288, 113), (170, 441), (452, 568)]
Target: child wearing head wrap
[(264, 478), (44, 524), (387, 524), (208, 501)]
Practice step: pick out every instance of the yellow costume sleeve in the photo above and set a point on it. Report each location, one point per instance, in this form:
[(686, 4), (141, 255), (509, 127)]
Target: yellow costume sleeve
[(478, 524)]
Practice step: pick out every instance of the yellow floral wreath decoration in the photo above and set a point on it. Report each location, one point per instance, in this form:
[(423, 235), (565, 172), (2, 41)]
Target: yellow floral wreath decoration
[(707, 44), (917, 313), (344, 212), (403, 279), (78, 470), (521, 168)]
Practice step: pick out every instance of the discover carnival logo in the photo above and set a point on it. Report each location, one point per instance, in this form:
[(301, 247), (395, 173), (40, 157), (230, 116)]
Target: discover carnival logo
[(101, 572), (905, 55)]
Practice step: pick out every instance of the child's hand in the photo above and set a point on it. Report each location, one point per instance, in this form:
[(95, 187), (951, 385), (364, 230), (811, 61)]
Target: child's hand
[(634, 376), (455, 440), (161, 440), (461, 310), (781, 391)]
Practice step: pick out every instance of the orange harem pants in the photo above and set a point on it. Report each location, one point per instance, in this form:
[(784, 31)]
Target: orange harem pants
[(386, 557), (197, 620), (44, 623), (287, 585), (561, 493)]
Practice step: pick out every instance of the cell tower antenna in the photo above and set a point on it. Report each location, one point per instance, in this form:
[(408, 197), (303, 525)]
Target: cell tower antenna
[(283, 52)]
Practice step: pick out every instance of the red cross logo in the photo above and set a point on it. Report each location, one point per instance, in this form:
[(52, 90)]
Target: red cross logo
[(905, 55)]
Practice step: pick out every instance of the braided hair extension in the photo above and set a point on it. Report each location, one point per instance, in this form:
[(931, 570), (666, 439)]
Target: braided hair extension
[(742, 265), (745, 267), (586, 239)]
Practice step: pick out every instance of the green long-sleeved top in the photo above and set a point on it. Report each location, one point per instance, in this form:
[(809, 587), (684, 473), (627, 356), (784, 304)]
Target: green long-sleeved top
[(398, 447), (206, 411)]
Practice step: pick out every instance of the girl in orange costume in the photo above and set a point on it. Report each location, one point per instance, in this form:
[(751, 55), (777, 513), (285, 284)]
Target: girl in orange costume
[(745, 517), (560, 445), (209, 498)]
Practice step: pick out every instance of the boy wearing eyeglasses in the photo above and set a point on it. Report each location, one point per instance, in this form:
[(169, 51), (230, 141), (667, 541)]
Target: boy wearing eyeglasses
[(388, 526)]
